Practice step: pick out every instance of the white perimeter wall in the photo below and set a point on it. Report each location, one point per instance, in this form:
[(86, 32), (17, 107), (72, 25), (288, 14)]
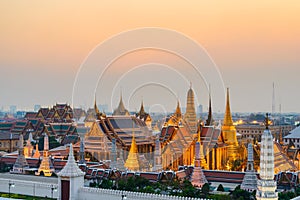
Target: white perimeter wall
[(87, 193), (28, 188)]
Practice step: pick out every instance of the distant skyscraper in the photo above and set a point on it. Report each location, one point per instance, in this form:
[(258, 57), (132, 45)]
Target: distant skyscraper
[(266, 186), (190, 114), (13, 109)]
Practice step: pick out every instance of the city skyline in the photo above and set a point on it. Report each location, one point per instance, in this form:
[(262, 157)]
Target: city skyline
[(253, 44)]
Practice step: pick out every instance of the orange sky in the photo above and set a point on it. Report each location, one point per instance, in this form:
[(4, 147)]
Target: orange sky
[(253, 43)]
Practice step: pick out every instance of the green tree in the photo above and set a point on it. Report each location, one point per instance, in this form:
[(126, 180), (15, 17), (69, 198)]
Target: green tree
[(205, 189), (239, 194), (220, 188)]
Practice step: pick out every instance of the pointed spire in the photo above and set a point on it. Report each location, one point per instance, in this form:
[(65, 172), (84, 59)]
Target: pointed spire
[(121, 110), (142, 110), (209, 117), (133, 147), (71, 169), (250, 179), (199, 133), (21, 163), (228, 118), (37, 152), (132, 162), (178, 110), (121, 104), (198, 178), (97, 112)]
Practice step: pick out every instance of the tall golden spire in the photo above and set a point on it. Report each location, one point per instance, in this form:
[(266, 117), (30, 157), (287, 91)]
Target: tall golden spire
[(132, 162), (227, 117), (229, 133)]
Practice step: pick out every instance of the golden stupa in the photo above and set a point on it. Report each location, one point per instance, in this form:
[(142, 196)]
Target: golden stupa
[(132, 162), (229, 132)]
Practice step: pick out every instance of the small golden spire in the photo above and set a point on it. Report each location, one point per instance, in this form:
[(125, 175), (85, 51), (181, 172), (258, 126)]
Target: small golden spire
[(228, 118), (142, 110), (199, 133), (98, 114), (178, 110)]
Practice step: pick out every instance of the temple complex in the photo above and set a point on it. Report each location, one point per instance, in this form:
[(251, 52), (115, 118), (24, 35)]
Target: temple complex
[(177, 142)]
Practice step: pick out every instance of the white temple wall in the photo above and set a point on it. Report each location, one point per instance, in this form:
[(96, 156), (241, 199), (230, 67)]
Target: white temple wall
[(28, 188), (87, 193)]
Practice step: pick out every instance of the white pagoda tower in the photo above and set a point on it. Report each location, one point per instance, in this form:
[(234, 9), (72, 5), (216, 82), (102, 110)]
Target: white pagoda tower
[(70, 179), (266, 186), (21, 163), (250, 179)]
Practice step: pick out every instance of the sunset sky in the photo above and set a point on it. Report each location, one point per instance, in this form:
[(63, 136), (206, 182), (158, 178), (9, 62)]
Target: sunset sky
[(253, 43)]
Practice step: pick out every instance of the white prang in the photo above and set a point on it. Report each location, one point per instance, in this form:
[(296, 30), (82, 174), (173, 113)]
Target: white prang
[(266, 186)]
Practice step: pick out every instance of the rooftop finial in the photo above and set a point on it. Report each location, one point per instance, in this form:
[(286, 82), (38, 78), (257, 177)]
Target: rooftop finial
[(267, 121)]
